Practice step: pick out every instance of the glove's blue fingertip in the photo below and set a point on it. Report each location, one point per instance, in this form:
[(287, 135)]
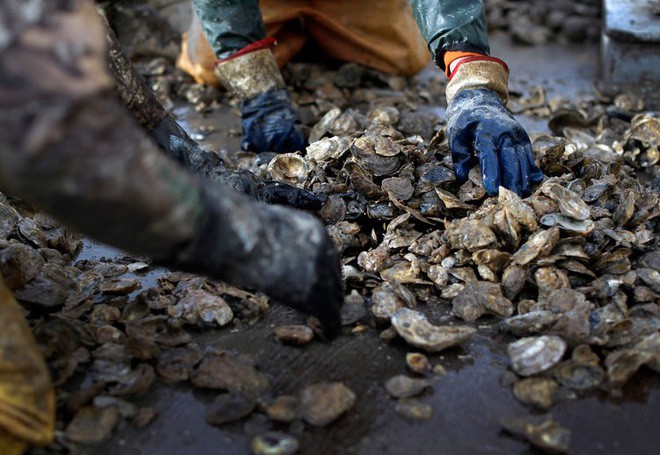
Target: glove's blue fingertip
[(491, 185), (461, 173)]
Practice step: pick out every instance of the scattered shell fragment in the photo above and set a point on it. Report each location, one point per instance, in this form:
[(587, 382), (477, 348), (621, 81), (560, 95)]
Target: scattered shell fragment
[(226, 372), (416, 330), (536, 392), (202, 307), (567, 223), (538, 244), (228, 407), (418, 363), (531, 323), (541, 432), (274, 443), (472, 235), (324, 402), (294, 334), (285, 408), (403, 386), (414, 409), (92, 425)]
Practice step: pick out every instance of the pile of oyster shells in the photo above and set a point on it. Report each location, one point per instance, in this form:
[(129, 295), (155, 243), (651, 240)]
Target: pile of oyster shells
[(571, 273), (537, 22)]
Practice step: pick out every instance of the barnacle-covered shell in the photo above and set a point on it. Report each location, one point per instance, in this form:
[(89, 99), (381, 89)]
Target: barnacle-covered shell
[(470, 234)]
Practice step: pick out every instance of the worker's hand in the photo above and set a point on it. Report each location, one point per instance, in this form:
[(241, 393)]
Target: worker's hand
[(270, 123), (481, 130), (286, 254)]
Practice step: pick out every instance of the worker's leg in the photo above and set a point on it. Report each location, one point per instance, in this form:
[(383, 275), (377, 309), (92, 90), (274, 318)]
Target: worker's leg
[(27, 399), (282, 20), (381, 34)]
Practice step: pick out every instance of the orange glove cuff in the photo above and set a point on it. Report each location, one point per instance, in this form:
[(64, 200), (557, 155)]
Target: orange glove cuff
[(450, 56)]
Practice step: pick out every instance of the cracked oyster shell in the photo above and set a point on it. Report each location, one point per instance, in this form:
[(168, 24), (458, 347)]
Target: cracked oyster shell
[(413, 327)]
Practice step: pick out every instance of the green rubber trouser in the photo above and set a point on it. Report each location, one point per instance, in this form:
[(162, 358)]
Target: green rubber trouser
[(446, 25)]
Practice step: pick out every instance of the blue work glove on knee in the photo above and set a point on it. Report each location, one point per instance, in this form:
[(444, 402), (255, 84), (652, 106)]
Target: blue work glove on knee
[(481, 130), (270, 124)]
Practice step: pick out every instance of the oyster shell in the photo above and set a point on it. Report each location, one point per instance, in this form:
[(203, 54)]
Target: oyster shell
[(477, 299), (472, 235), (402, 386), (324, 402), (289, 168), (274, 443), (536, 392), (413, 327), (542, 432), (569, 202), (540, 243), (532, 355)]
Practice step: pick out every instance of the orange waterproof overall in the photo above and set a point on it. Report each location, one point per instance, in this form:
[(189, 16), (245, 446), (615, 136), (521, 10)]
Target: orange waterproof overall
[(379, 34)]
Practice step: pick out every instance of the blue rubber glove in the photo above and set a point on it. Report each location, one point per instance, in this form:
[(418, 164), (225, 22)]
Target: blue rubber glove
[(270, 123), (481, 130)]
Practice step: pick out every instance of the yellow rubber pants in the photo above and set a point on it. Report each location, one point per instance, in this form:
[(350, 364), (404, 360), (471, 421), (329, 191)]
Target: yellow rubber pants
[(27, 398), (379, 34)]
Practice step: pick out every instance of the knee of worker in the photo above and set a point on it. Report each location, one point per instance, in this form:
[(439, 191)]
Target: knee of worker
[(197, 57), (379, 34), (198, 60)]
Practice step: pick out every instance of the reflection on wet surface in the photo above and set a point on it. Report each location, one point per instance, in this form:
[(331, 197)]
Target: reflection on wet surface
[(467, 402)]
